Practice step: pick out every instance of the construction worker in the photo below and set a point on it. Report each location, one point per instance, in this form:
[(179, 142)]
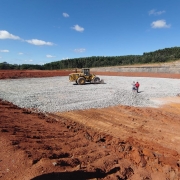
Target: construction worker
[(133, 86), (137, 86)]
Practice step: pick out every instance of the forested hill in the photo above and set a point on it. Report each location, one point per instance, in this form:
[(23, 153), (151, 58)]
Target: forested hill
[(162, 55)]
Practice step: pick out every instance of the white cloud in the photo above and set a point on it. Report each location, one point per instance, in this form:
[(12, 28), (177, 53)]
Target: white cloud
[(160, 24), (41, 63), (65, 15), (78, 28), (20, 53), (79, 50), (5, 50), (65, 58), (49, 56), (6, 35), (39, 42), (154, 12), (29, 60)]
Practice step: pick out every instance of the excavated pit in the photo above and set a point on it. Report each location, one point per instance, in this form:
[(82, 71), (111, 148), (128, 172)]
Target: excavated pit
[(119, 142)]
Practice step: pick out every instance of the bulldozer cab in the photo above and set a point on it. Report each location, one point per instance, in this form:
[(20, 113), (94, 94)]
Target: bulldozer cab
[(86, 71)]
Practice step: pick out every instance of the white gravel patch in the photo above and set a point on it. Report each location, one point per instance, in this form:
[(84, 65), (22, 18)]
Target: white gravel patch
[(57, 94)]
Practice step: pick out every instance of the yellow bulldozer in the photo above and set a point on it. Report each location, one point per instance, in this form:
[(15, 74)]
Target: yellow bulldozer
[(84, 77)]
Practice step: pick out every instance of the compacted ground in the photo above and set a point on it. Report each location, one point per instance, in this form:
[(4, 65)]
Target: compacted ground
[(120, 142)]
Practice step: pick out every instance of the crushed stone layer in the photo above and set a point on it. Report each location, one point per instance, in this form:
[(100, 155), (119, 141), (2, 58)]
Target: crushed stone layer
[(57, 94)]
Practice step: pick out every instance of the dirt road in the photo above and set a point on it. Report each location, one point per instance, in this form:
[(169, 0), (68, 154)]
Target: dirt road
[(119, 142)]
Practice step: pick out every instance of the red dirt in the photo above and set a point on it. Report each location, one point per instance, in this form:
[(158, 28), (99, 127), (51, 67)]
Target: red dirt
[(119, 142), (13, 74)]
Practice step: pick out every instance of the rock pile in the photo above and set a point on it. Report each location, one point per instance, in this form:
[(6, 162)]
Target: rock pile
[(57, 94)]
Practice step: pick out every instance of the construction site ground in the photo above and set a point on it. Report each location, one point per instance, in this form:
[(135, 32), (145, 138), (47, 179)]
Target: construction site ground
[(115, 143)]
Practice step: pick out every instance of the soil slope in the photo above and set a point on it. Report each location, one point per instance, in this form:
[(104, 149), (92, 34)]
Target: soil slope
[(119, 142)]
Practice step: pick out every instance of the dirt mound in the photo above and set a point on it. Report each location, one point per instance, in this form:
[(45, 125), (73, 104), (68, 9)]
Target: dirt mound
[(13, 74), (119, 142), (35, 146), (5, 74)]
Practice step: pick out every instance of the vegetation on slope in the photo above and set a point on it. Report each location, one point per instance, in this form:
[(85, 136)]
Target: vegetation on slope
[(162, 55)]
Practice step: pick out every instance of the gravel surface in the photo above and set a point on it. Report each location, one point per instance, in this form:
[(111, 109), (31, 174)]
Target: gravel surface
[(57, 94)]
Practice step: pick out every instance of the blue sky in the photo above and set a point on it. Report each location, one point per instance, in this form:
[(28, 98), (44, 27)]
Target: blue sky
[(43, 31)]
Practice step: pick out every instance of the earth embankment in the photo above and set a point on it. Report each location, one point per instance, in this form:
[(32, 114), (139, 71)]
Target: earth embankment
[(142, 69)]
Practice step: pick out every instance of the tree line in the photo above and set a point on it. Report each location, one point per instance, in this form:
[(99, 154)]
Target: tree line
[(161, 55)]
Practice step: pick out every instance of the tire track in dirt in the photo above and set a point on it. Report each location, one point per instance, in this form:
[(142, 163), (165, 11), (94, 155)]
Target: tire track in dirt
[(36, 146), (144, 124), (153, 130)]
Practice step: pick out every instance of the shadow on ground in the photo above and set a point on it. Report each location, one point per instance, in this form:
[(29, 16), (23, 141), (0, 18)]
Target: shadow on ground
[(80, 175)]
